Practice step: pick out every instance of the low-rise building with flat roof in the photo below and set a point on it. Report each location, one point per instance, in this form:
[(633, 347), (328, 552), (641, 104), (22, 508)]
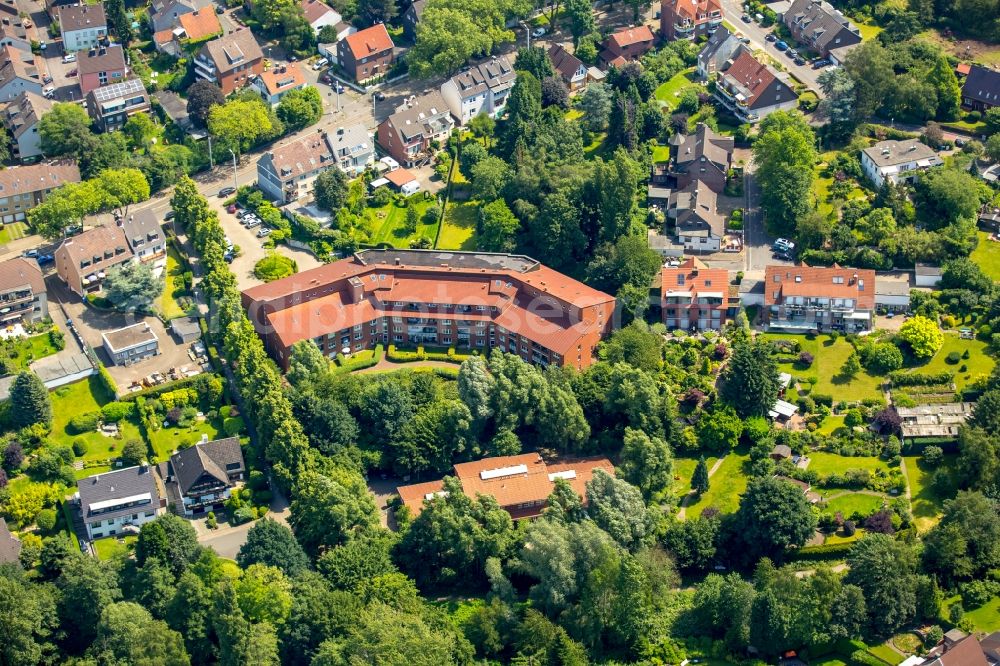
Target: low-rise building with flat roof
[(131, 344), (935, 421)]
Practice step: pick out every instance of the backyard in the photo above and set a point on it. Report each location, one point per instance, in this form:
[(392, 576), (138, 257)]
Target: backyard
[(13, 231), (829, 356), (85, 396), (824, 463), (174, 287), (387, 223), (986, 618), (167, 440), (978, 364), (668, 94), (112, 547), (725, 487), (459, 229), (987, 255), (850, 503), (924, 502), (684, 470), (23, 351)]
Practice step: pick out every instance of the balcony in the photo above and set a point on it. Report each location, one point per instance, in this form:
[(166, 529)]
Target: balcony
[(685, 29)]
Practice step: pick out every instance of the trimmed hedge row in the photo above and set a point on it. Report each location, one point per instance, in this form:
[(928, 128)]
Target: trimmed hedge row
[(155, 391), (830, 551), (451, 356), (901, 378), (351, 365), (109, 383)]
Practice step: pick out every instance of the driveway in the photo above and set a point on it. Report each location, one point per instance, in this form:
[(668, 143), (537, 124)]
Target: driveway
[(226, 541)]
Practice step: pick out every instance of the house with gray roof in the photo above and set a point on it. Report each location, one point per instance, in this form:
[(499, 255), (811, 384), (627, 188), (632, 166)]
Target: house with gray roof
[(202, 477), (719, 48), (117, 502), (410, 133), (144, 235), (480, 89), (698, 225), (166, 14), (897, 161), (819, 27), (20, 118), (702, 155), (10, 545)]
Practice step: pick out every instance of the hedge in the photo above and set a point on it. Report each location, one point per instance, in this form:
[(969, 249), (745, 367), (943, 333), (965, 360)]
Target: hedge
[(831, 551), (449, 356), (107, 380), (154, 391), (352, 364), (901, 378)]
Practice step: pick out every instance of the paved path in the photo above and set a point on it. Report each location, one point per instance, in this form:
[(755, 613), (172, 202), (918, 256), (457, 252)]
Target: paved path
[(682, 514), (837, 568), (902, 468), (385, 365), (227, 540)]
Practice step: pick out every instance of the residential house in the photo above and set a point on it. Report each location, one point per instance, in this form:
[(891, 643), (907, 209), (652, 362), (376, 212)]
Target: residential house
[(480, 89), (981, 89), (719, 49), (696, 297), (231, 61), (897, 161), (818, 27), (806, 298), (964, 651), (52, 7), (19, 73), (201, 478), (130, 344), (24, 187), (144, 235), (366, 54), (926, 275), (839, 55), (82, 261), (697, 224), (411, 17), (15, 35), (112, 105), (166, 14), (938, 421), (287, 172), (627, 45), (276, 82), (101, 66), (408, 134), (20, 118), (703, 156), (892, 292), (22, 292), (118, 501), (83, 26), (570, 68), (752, 90), (689, 19), (468, 300), (319, 14), (169, 41), (520, 484), (10, 545), (200, 25)]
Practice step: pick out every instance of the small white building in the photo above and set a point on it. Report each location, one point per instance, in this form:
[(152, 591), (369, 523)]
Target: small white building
[(131, 344), (892, 291), (782, 410), (927, 275), (116, 502), (897, 161)]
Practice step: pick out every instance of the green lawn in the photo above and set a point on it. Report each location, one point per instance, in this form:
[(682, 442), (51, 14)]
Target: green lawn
[(831, 424), (386, 223), (13, 231), (987, 255), (167, 440), (111, 547), (986, 618), (829, 357), (661, 153), (850, 503), (868, 32), (669, 93), (824, 463), (31, 349), (821, 190), (978, 364), (86, 396), (886, 653), (725, 487), (924, 502), (683, 471), (459, 230), (174, 287)]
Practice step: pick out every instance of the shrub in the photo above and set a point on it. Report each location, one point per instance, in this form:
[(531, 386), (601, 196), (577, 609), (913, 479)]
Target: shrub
[(849, 528), (107, 380), (210, 521), (117, 411), (952, 358), (46, 520), (79, 448), (806, 359), (977, 592), (244, 514), (934, 635), (933, 455), (232, 426), (853, 418), (274, 267), (823, 399), (86, 422)]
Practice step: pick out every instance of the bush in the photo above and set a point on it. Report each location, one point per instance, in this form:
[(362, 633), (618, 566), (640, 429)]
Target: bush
[(823, 399), (232, 426), (244, 514), (117, 411), (920, 379), (977, 592), (46, 520), (274, 267), (934, 635), (210, 521), (86, 422), (107, 380), (832, 551), (933, 455), (79, 448), (952, 358), (806, 359)]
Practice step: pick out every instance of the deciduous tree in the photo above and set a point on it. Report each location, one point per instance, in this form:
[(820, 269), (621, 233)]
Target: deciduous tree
[(132, 287)]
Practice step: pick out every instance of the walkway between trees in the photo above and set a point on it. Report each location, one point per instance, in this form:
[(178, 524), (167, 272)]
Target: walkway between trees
[(385, 365), (687, 498)]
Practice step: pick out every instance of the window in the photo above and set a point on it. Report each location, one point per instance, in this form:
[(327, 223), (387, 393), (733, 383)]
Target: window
[(838, 279)]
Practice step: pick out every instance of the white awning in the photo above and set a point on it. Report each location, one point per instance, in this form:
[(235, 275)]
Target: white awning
[(568, 474), (859, 315), (131, 499)]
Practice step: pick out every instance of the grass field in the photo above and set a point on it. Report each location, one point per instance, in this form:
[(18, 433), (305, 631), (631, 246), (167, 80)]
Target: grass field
[(166, 440), (821, 189), (850, 503), (886, 653), (459, 230), (13, 231), (86, 396), (111, 547), (683, 471), (979, 362), (31, 349), (174, 286), (924, 502), (661, 153), (829, 357), (386, 223), (868, 31), (725, 487), (987, 255), (986, 618), (831, 424), (669, 93), (825, 463)]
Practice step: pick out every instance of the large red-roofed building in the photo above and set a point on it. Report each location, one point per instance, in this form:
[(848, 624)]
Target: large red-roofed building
[(366, 54), (694, 296), (689, 19), (471, 300), (808, 298), (520, 484)]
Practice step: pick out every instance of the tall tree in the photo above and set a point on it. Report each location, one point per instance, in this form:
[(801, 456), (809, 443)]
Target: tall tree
[(119, 21), (883, 569), (329, 509), (580, 16), (617, 507), (133, 287), (498, 226), (202, 96), (29, 401), (647, 463), (700, 478), (785, 153), (750, 380), (273, 544), (330, 190), (774, 514), (27, 621), (128, 634)]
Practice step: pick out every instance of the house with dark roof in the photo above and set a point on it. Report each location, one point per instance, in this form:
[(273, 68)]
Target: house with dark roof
[(83, 261), (19, 73), (166, 14), (697, 223), (981, 89), (231, 61), (117, 502), (703, 155), (627, 45), (411, 17), (20, 118), (101, 66), (570, 68), (22, 292), (10, 545), (367, 54), (408, 133), (689, 19), (752, 90), (112, 105), (144, 235), (203, 476), (961, 651), (819, 27), (24, 187), (84, 26), (807, 298), (719, 48), (479, 89)]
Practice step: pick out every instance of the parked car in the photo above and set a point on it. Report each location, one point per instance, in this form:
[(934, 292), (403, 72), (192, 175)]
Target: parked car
[(228, 257), (538, 32), (745, 18), (169, 216), (44, 259), (226, 192), (770, 37), (379, 96), (799, 60), (69, 57), (263, 232), (49, 92), (780, 45), (783, 256), (319, 64), (821, 63), (253, 223), (30, 254), (959, 142), (72, 72), (784, 244), (46, 79), (792, 53)]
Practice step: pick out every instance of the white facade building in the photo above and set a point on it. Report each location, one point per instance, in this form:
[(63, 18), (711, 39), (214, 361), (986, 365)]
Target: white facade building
[(117, 501), (897, 161)]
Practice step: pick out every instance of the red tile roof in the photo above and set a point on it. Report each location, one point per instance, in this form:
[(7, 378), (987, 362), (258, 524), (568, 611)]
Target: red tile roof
[(201, 24), (693, 9), (283, 78), (781, 282), (695, 277), (400, 177), (963, 68), (368, 41), (629, 36), (751, 74)]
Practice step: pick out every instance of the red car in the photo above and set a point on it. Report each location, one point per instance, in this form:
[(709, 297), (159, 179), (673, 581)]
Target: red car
[(231, 209), (71, 72)]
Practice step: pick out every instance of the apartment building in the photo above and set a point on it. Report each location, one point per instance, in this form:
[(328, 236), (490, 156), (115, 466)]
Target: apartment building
[(287, 172), (719, 49), (112, 105), (816, 25), (627, 45), (480, 89), (806, 298), (276, 82), (409, 135), (367, 54), (752, 90), (83, 261), (22, 292), (144, 235), (231, 61), (703, 155), (897, 161), (20, 118), (689, 19), (520, 484), (19, 73), (24, 187), (696, 297), (469, 300), (83, 26), (117, 502), (101, 66)]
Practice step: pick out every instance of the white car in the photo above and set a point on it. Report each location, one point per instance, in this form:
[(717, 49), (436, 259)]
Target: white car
[(320, 64), (49, 93), (69, 57), (263, 232), (538, 32)]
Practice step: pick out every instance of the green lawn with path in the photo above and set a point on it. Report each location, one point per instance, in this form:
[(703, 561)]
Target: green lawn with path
[(110, 547), (669, 93), (386, 222), (724, 488), (977, 365), (850, 503), (459, 229), (825, 463), (987, 255), (84, 396), (684, 470), (924, 502), (167, 440), (829, 356), (31, 349)]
